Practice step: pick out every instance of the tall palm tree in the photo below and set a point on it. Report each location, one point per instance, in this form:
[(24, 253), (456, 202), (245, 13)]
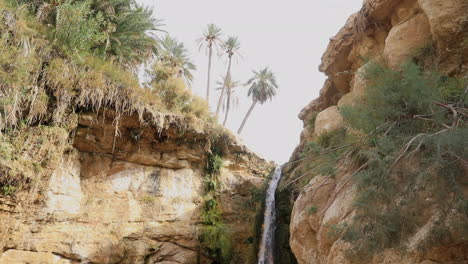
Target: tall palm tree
[(231, 99), (231, 48), (262, 88), (174, 54), (211, 39)]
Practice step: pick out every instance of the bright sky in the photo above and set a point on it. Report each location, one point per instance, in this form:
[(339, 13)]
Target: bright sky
[(288, 36)]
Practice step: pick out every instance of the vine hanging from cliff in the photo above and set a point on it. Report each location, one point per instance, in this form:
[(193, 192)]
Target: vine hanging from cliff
[(214, 234)]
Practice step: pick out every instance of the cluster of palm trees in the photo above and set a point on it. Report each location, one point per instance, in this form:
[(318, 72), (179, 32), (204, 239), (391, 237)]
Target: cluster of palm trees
[(262, 86), (123, 32), (118, 30)]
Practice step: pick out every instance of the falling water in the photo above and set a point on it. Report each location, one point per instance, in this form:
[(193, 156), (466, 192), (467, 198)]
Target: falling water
[(265, 255)]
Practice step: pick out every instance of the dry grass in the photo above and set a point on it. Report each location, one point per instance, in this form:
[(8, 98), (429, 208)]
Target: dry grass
[(40, 84), (42, 89), (29, 155)]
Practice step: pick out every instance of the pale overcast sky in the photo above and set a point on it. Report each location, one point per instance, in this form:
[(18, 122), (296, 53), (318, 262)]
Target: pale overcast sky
[(288, 36)]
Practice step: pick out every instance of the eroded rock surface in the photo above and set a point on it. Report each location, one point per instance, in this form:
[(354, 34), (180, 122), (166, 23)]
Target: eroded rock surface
[(388, 31), (132, 198)]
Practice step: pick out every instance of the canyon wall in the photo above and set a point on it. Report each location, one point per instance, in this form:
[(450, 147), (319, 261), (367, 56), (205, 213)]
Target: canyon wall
[(388, 31), (133, 193)]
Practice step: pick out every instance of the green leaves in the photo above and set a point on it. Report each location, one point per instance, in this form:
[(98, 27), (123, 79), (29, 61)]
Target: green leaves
[(215, 236), (231, 46), (174, 54), (211, 38), (214, 164), (415, 144), (118, 30), (129, 35), (263, 85), (76, 26)]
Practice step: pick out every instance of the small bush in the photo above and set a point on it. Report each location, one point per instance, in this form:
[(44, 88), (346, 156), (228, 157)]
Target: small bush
[(313, 209), (28, 156), (216, 238), (148, 199), (8, 190), (174, 93), (76, 26), (332, 138), (214, 164)]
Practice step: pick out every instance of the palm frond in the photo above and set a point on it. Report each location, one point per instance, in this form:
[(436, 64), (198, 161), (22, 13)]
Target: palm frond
[(176, 55), (211, 38), (262, 86)]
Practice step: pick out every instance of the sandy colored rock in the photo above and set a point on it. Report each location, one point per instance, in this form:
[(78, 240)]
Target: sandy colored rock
[(404, 11), (447, 18), (135, 200), (384, 31), (349, 99), (27, 257), (406, 39), (64, 193), (328, 120)]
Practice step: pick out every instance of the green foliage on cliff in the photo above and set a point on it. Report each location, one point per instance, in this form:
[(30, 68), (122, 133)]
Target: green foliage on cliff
[(58, 58), (28, 155), (215, 236), (118, 30), (171, 90), (415, 153), (407, 146)]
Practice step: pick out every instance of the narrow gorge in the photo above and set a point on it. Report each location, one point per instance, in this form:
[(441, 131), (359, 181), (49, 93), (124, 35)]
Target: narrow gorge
[(96, 169)]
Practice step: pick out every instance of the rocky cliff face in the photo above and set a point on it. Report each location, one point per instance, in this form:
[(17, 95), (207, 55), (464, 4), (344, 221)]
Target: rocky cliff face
[(132, 193), (391, 31)]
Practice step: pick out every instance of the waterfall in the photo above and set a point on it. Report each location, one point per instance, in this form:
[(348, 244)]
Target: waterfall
[(265, 254)]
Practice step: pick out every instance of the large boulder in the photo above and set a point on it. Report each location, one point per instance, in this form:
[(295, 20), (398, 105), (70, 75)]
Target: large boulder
[(328, 120), (406, 39), (447, 18)]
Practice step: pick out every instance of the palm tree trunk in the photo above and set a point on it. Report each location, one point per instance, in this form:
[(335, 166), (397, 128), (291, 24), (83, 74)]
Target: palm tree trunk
[(209, 76), (254, 103), (221, 96), (228, 104)]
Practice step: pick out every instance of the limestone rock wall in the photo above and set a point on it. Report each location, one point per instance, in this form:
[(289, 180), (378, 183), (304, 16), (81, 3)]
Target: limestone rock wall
[(388, 30), (131, 198)]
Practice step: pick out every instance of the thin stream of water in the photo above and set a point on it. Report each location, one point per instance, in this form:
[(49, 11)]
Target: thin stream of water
[(265, 254)]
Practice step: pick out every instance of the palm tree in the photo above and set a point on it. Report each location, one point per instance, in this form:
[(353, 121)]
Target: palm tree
[(231, 47), (124, 28), (231, 98), (129, 33), (262, 88), (211, 39), (174, 54)]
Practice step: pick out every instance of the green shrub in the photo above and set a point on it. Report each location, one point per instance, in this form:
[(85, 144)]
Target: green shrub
[(216, 238), (8, 190), (29, 155), (174, 94), (214, 164), (393, 95), (409, 147), (148, 199), (313, 209), (76, 26), (332, 138)]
